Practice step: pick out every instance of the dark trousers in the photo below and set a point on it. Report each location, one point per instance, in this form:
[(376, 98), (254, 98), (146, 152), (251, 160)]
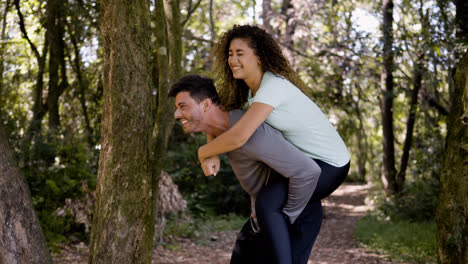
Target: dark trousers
[(279, 241)]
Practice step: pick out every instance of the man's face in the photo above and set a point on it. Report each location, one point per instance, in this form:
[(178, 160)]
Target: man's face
[(188, 112)]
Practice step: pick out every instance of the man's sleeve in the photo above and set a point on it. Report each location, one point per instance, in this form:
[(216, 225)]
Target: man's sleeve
[(269, 146)]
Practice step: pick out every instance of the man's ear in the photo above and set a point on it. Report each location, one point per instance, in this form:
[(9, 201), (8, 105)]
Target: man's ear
[(206, 104)]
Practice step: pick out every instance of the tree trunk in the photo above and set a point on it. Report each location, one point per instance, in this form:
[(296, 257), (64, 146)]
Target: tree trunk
[(123, 220), (452, 210), (287, 10), (267, 15), (57, 68), (461, 18), (388, 165), (417, 82), (169, 55), (21, 238), (363, 147), (82, 83), (2, 46)]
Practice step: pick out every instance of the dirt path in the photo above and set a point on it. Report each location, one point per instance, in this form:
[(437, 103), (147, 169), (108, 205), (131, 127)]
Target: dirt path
[(335, 243)]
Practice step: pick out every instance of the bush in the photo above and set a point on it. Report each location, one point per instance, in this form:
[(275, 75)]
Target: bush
[(417, 202), (54, 173)]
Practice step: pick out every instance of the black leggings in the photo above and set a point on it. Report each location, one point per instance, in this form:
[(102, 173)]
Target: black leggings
[(293, 243)]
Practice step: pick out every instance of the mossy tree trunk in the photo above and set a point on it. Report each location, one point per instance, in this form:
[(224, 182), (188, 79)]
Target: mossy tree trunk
[(169, 57), (21, 237), (123, 220), (452, 210)]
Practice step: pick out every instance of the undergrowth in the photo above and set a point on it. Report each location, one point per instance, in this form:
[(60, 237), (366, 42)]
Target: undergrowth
[(401, 240)]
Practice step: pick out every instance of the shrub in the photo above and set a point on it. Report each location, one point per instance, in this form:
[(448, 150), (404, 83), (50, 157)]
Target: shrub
[(211, 195), (417, 202), (54, 173)]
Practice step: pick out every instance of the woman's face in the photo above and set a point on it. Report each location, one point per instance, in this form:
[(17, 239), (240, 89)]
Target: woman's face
[(242, 60)]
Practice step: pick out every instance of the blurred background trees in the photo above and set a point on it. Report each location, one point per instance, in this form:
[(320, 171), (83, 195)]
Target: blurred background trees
[(51, 94)]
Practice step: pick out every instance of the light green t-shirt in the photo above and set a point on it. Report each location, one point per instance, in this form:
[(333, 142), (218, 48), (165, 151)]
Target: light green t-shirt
[(300, 120)]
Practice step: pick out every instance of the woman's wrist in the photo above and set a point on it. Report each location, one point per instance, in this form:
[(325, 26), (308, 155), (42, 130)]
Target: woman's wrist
[(201, 157)]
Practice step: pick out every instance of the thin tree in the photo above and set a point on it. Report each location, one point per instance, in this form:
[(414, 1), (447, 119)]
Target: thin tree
[(39, 108), (169, 57), (123, 220), (388, 164), (58, 80)]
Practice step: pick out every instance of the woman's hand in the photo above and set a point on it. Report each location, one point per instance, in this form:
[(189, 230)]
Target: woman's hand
[(210, 166)]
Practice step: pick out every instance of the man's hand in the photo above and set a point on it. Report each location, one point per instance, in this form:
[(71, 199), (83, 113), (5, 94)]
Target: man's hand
[(210, 166)]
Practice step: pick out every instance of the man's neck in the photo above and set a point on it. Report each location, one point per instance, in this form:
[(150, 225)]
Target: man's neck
[(217, 122)]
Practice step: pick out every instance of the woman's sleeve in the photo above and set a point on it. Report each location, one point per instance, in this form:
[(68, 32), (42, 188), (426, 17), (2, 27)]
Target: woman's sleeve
[(273, 91)]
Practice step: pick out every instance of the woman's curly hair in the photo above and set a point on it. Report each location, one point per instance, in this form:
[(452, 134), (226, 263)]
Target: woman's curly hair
[(233, 93)]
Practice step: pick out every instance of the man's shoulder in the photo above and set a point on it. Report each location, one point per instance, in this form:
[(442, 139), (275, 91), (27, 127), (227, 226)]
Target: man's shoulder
[(234, 116)]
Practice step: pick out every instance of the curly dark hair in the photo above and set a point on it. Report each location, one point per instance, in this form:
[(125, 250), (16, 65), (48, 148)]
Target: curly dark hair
[(233, 93)]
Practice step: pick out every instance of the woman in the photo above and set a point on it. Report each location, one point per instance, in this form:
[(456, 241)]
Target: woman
[(250, 62)]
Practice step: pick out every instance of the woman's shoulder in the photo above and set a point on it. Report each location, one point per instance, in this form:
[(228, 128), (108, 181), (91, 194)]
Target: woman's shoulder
[(278, 81)]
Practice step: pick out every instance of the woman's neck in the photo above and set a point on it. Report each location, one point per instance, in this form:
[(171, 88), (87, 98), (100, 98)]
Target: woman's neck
[(254, 82)]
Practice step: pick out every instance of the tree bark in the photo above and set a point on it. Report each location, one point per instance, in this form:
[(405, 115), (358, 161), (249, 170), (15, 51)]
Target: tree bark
[(363, 146), (267, 15), (82, 83), (123, 220), (169, 43), (452, 209), (57, 68), (2, 46), (417, 82), (21, 238), (287, 10), (388, 164)]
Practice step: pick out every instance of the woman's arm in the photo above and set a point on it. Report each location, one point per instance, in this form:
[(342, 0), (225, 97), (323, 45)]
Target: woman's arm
[(238, 134)]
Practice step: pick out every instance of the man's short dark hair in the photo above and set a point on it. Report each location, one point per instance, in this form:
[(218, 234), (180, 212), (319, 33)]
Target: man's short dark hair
[(199, 87)]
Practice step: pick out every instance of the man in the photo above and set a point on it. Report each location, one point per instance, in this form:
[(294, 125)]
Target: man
[(267, 167)]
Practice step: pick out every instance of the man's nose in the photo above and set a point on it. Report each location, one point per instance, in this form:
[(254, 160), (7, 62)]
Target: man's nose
[(176, 114)]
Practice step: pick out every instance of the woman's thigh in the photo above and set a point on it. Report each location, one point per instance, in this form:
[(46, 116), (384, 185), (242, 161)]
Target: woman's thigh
[(330, 179)]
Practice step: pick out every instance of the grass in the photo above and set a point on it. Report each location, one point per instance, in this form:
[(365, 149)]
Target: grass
[(201, 229), (401, 240)]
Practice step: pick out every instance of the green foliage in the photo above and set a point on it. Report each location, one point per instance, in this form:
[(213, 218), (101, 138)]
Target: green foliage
[(401, 240), (211, 195), (416, 203), (56, 172)]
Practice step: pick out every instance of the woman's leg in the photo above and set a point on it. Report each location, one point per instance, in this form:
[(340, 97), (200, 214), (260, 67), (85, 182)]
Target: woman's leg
[(268, 206), (307, 226)]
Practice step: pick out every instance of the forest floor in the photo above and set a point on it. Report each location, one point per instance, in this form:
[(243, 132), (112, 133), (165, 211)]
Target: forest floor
[(335, 243)]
